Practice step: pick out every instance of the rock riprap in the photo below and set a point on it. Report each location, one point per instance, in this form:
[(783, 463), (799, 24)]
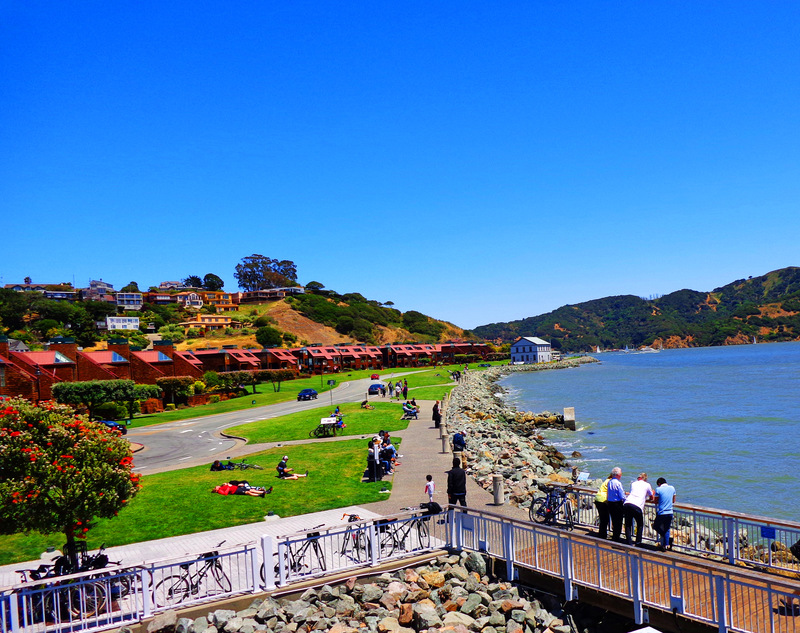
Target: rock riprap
[(502, 440), (451, 593)]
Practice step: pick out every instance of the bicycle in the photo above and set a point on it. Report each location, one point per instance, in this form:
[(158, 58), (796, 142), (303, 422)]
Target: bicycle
[(61, 600), (301, 555), (555, 508), (400, 533), (355, 540), (177, 587), (243, 465)]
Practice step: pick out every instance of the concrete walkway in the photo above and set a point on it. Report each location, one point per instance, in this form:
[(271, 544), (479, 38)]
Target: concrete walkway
[(422, 455)]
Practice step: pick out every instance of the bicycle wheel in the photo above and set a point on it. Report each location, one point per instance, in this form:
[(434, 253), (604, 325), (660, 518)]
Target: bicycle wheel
[(569, 514), (389, 542), (84, 601), (361, 546), (318, 553), (171, 590), (424, 534), (538, 510), (221, 577)]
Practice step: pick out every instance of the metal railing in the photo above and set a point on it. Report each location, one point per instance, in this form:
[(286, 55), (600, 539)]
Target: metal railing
[(735, 537), (728, 597)]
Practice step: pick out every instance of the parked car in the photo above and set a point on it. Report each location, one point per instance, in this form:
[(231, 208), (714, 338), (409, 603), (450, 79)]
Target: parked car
[(307, 394), (484, 365), (374, 377), (375, 389), (113, 424)]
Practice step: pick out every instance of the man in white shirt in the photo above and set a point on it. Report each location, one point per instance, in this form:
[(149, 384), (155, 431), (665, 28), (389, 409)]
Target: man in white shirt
[(633, 507)]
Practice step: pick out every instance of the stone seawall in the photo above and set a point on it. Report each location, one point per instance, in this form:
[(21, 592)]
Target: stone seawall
[(501, 439)]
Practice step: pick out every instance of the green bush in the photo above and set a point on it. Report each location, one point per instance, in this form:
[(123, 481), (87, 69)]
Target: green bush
[(111, 411), (170, 407), (213, 399)]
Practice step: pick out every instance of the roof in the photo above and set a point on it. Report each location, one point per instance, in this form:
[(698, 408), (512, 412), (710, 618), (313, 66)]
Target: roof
[(106, 357), (152, 356), (535, 340), (189, 358), (49, 357)]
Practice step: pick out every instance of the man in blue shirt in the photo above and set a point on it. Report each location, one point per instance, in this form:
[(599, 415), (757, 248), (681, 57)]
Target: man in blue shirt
[(665, 497), (616, 497)]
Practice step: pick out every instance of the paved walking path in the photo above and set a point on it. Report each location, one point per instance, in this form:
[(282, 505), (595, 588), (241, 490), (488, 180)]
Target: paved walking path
[(422, 455)]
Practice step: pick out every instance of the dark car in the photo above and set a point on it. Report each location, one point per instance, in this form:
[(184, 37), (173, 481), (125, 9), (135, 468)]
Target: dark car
[(375, 389), (112, 424), (484, 365), (307, 394)]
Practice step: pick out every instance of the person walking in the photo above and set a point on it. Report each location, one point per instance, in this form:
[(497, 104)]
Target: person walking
[(616, 497), (430, 487), (665, 497), (633, 508), (437, 415), (457, 484), (601, 503), (405, 390)]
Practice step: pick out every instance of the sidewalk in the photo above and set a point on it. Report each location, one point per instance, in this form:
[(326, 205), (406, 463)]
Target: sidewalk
[(422, 455)]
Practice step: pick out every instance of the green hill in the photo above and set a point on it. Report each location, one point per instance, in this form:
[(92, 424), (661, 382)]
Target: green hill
[(767, 307)]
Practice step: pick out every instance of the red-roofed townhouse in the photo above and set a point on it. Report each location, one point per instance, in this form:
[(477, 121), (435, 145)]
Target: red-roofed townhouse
[(15, 380), (48, 367), (278, 358), (229, 358), (319, 360), (397, 356)]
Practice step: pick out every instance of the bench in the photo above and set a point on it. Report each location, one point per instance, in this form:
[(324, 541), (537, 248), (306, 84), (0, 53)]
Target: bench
[(326, 428)]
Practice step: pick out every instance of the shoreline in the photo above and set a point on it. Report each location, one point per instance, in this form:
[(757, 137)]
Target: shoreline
[(503, 440)]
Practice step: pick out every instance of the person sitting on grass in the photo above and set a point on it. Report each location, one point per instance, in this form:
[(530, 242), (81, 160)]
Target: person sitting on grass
[(366, 405), (284, 472)]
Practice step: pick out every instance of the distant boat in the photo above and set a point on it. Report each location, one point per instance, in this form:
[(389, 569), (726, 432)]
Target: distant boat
[(648, 350), (626, 350), (754, 340), (598, 350)]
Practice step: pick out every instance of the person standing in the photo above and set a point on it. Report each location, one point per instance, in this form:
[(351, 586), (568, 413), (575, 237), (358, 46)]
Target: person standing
[(601, 503), (398, 388), (457, 484), (616, 497), (430, 487), (633, 507), (405, 390), (437, 415), (665, 497)]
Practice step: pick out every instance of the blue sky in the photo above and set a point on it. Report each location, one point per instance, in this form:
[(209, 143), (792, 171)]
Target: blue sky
[(477, 162)]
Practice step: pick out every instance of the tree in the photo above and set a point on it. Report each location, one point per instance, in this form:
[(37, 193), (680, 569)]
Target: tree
[(138, 393), (314, 286), (27, 280), (213, 282), (268, 336), (193, 281), (60, 472), (175, 386), (131, 287), (257, 272), (92, 393)]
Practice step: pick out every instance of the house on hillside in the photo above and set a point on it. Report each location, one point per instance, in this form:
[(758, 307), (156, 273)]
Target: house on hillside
[(531, 349)]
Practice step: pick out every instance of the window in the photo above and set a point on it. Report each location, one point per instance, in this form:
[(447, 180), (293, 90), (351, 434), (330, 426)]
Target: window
[(2, 376)]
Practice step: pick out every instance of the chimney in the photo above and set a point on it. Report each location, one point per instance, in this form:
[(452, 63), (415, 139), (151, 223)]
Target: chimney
[(4, 347), (120, 346), (66, 346), (165, 347)]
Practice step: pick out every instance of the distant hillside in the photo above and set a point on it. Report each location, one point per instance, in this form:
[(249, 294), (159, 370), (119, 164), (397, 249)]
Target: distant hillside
[(767, 307)]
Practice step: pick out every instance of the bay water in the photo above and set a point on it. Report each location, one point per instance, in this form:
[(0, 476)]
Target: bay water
[(721, 424)]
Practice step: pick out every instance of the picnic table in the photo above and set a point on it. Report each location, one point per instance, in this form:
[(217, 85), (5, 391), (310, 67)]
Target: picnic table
[(326, 428)]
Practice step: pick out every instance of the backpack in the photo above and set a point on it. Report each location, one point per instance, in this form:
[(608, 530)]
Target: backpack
[(431, 508)]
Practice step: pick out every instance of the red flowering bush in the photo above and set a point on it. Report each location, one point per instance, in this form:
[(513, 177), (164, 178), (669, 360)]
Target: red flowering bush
[(58, 471)]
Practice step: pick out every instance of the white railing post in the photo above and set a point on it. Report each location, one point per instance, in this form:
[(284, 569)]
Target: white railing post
[(508, 548), (733, 540), (451, 527), (148, 599), (283, 563), (565, 552), (636, 588), (13, 605), (267, 550), (374, 541), (722, 609)]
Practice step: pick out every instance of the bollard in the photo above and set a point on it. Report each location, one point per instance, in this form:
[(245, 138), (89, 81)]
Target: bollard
[(459, 456), (445, 444), (497, 489), (442, 430)]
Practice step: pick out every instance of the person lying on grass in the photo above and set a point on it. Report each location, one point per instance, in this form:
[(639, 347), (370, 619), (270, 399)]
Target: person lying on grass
[(284, 472), (241, 488)]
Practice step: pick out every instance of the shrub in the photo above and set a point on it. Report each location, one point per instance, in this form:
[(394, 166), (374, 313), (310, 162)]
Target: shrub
[(170, 407), (213, 399), (111, 411)]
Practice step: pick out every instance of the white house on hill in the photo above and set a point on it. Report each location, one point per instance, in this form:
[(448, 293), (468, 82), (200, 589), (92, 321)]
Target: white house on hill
[(530, 349)]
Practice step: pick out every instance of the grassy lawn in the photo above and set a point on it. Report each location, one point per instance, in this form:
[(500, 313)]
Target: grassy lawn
[(296, 426), (181, 501), (430, 393)]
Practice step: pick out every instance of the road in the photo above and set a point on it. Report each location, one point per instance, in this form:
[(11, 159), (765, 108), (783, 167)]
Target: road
[(200, 441)]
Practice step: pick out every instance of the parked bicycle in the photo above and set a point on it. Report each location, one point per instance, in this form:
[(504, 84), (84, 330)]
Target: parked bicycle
[(242, 465), (58, 601), (301, 557), (555, 508), (205, 571), (355, 542), (407, 535)]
